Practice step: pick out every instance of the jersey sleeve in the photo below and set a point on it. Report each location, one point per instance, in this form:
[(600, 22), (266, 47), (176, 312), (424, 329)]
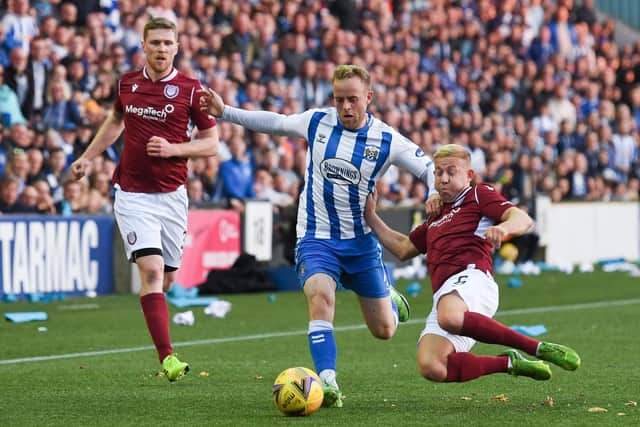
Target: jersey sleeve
[(419, 237), (294, 125), (200, 118), (409, 156), (117, 102), (490, 202)]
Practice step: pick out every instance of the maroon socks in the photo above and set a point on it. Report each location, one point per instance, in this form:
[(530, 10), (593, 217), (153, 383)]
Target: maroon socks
[(156, 313), (485, 329)]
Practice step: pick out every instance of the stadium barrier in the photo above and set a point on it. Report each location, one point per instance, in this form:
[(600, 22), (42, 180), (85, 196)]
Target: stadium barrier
[(45, 256), (588, 232), (57, 255)]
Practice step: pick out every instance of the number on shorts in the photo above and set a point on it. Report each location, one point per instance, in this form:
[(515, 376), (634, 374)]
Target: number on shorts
[(461, 280)]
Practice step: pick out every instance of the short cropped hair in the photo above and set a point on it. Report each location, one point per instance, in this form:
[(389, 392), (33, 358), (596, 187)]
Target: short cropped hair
[(452, 150), (343, 72), (160, 23)]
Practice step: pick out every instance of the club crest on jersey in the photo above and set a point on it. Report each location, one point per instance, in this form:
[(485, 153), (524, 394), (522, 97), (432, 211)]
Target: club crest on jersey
[(132, 237), (371, 153), (340, 171), (171, 91), (419, 152)]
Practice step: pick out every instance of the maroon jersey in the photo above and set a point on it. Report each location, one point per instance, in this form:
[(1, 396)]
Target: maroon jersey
[(167, 108), (455, 238)]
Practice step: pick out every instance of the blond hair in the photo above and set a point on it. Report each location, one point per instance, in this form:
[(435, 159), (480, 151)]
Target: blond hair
[(452, 150), (159, 23), (347, 71)]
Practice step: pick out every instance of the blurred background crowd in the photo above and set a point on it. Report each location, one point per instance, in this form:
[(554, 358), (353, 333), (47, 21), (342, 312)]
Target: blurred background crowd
[(538, 90)]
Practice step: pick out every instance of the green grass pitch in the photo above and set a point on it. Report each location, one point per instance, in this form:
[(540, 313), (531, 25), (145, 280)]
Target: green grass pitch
[(94, 366)]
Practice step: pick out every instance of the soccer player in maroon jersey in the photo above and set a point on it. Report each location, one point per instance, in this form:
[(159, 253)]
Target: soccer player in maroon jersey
[(155, 107), (458, 243)]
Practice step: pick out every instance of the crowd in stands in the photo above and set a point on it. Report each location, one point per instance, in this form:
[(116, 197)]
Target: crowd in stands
[(538, 91)]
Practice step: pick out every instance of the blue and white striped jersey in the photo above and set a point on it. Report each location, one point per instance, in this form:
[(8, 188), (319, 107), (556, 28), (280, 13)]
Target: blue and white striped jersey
[(342, 166)]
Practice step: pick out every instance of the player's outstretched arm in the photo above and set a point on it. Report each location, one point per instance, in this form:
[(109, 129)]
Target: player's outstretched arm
[(106, 135), (294, 125), (515, 222), (395, 242)]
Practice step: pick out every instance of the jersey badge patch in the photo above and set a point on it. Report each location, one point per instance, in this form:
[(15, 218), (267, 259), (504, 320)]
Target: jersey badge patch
[(171, 91), (371, 153)]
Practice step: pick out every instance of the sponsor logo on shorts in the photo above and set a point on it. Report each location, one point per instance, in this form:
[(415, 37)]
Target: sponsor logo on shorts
[(302, 269), (132, 237)]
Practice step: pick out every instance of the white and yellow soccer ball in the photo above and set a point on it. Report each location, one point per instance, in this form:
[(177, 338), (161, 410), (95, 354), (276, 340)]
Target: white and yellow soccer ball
[(297, 391)]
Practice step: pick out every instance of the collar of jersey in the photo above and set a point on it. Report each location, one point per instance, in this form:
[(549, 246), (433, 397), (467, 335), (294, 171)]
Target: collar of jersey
[(460, 197), (359, 130), (167, 78)]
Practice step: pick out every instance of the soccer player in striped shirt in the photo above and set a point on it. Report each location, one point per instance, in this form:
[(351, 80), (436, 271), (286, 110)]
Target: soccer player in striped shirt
[(348, 150), (458, 243)]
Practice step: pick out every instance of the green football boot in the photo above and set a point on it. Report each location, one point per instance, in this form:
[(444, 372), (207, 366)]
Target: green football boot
[(536, 369), (332, 395), (404, 311), (560, 355), (173, 368)]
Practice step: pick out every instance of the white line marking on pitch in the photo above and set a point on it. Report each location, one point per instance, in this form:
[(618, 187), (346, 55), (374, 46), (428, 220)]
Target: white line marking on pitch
[(515, 312)]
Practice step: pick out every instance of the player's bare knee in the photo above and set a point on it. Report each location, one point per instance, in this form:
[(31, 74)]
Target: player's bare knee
[(433, 371), (150, 276), (384, 332), (166, 285)]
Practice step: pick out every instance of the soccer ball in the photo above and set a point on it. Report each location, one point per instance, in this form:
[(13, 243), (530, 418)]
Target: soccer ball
[(509, 252), (297, 391)]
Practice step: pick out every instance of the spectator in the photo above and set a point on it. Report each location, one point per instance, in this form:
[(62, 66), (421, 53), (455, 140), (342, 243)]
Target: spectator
[(264, 189), (56, 165), (45, 203), (236, 174), (74, 198), (195, 192), (241, 41), (9, 104), (560, 108), (9, 196), (39, 69), (17, 78), (19, 24), (585, 12), (61, 109), (36, 165), (563, 36), (542, 48)]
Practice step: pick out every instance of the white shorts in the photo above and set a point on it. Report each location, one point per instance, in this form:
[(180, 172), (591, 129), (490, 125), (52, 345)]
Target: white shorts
[(478, 290), (153, 221)]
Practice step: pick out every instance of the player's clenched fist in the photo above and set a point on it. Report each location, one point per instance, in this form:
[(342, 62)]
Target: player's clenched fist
[(79, 168), (211, 102), (496, 235), (160, 147)]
